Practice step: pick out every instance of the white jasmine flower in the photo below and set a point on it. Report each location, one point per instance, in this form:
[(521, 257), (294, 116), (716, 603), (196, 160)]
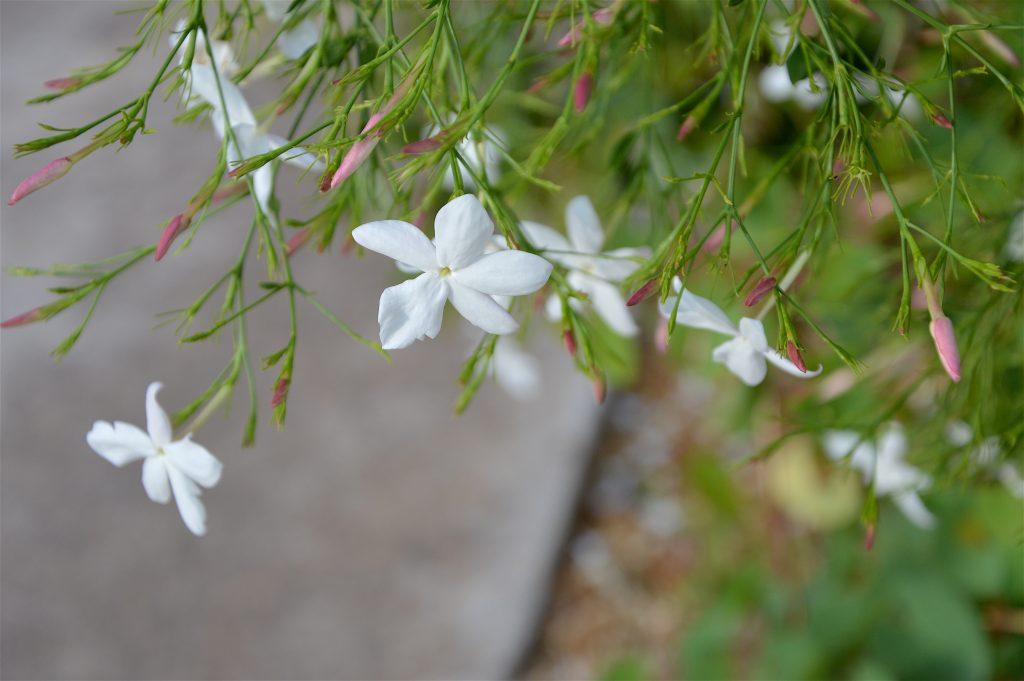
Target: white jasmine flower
[(1014, 249), (774, 81), (482, 155), (747, 354), (893, 477), (987, 455), (590, 271), (169, 466), (454, 267)]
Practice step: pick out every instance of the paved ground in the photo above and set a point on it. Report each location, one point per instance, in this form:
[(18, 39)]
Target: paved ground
[(377, 537)]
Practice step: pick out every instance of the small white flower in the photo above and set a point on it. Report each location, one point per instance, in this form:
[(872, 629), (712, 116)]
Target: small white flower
[(169, 466), (590, 271), (455, 267), (884, 463), (747, 354), (987, 455), (1014, 249)]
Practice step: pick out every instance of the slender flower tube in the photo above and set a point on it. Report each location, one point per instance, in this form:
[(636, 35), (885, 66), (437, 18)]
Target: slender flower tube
[(941, 329), (581, 93), (689, 125), (22, 319), (51, 172), (178, 224)]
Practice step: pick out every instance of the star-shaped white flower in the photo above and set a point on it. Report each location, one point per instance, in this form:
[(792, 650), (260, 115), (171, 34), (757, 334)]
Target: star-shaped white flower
[(455, 267), (884, 463), (747, 354), (590, 271), (169, 466)]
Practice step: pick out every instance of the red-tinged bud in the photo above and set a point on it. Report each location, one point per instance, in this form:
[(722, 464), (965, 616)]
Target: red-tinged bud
[(661, 336), (570, 342), (22, 319), (538, 85), (942, 121), (297, 241), (757, 294), (996, 44), (795, 357), (602, 17), (642, 293), (178, 224), (348, 246), (838, 166), (50, 173), (715, 241), (63, 83), (280, 392), (600, 388), (869, 537), (941, 329), (421, 220), (325, 183), (581, 93), (423, 146), (689, 125)]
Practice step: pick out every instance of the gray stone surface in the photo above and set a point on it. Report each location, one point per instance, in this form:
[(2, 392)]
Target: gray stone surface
[(377, 537)]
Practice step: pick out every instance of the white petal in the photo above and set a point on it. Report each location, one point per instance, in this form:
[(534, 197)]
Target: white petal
[(742, 359), (516, 371), (462, 230), (203, 83), (481, 310), (892, 445), (296, 156), (840, 443), (295, 42), (195, 461), (411, 310), (276, 9), (753, 331), (505, 273), (263, 189), (157, 422), (1012, 480), (553, 308), (618, 264), (790, 368), (914, 509), (584, 226), (775, 84), (700, 313), (398, 240), (186, 495), (609, 304), (154, 480), (119, 443), (544, 238)]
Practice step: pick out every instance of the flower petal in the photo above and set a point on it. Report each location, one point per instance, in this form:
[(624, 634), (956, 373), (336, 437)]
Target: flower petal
[(296, 156), (481, 310), (505, 273), (195, 461), (699, 313), (157, 422), (462, 230), (399, 241), (119, 443), (610, 306), (742, 359), (544, 238), (584, 226), (186, 495), (753, 331), (781, 362), (618, 264), (154, 480), (411, 310), (295, 42), (914, 509)]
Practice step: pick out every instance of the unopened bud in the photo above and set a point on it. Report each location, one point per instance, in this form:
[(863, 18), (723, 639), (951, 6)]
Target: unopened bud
[(602, 17), (581, 93), (297, 241), (661, 336), (688, 125), (423, 146), (715, 241), (539, 85), (178, 224), (941, 329), (757, 294), (22, 319), (642, 293), (942, 121), (795, 357), (50, 173), (63, 83), (869, 536), (600, 388), (280, 392), (570, 342)]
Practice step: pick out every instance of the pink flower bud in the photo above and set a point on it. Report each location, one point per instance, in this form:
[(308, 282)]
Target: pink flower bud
[(570, 342), (763, 288), (280, 392), (642, 293), (538, 85), (51, 172), (602, 17), (63, 83), (581, 93), (22, 319), (715, 241), (178, 224), (996, 44), (422, 146), (941, 329), (941, 121), (661, 336), (795, 357), (600, 388), (869, 537), (689, 125), (297, 241)]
